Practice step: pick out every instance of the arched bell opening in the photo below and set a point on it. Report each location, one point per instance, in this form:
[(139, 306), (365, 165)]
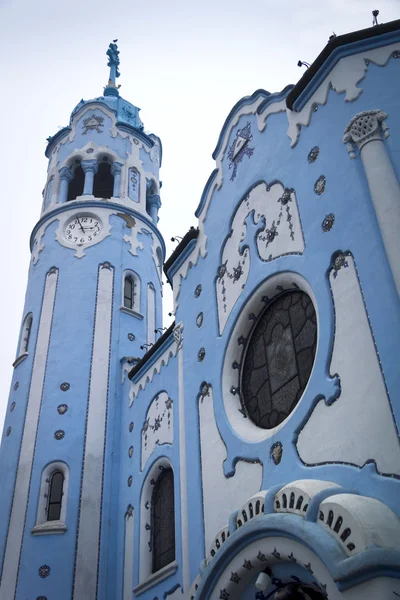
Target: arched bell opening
[(103, 183)]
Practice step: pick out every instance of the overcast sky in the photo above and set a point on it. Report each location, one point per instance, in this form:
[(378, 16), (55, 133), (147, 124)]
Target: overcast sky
[(184, 63)]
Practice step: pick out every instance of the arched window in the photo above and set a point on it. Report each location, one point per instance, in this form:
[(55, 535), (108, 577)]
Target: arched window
[(103, 185), (279, 359), (129, 292), (55, 496), (75, 187), (26, 334), (163, 521)]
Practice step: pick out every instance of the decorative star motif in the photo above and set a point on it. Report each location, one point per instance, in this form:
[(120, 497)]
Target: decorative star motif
[(276, 553), (247, 564), (235, 578), (223, 594), (261, 556)]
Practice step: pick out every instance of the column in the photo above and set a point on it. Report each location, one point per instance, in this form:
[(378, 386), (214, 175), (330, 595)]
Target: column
[(116, 171), (66, 175), (90, 168), (368, 131), (153, 203)]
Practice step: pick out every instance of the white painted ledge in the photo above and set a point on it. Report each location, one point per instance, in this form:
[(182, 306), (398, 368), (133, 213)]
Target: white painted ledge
[(49, 528), (129, 311), (19, 360), (156, 577)]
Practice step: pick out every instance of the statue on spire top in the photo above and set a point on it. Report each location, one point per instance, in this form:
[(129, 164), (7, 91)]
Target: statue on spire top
[(113, 62)]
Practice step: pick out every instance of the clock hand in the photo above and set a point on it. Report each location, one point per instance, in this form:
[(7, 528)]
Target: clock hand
[(80, 224)]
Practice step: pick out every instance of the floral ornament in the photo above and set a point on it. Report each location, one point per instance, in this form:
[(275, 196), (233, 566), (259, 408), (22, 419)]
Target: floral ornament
[(16, 384), (8, 431), (223, 594), (197, 291), (130, 451), (275, 553), (62, 409), (158, 420), (204, 391), (276, 452), (313, 154), (93, 123), (130, 479), (131, 427), (44, 571), (319, 185), (261, 556), (237, 272), (131, 337), (247, 565), (240, 148), (201, 354), (340, 262), (328, 222), (59, 434), (199, 319), (65, 386), (12, 406)]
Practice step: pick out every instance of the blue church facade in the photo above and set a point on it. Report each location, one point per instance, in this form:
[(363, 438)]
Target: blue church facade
[(252, 449)]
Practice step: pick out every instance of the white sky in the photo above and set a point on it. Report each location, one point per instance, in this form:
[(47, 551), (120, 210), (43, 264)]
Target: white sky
[(184, 63)]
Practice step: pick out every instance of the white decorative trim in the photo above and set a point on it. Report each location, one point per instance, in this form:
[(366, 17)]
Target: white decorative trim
[(370, 521), (87, 553), (158, 428), (221, 495), (152, 370), (155, 578), (178, 335), (346, 430), (42, 524), (19, 360), (254, 507), (129, 543), (343, 79), (295, 496), (23, 477), (49, 528), (131, 312)]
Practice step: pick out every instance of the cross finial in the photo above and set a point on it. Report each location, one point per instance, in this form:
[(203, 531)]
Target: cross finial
[(113, 62)]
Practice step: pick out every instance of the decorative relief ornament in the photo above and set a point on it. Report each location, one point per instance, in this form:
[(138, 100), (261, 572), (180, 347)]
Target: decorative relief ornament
[(199, 319), (65, 386), (363, 128), (313, 154), (131, 337), (201, 354), (44, 571), (276, 452), (62, 409), (178, 335), (240, 148), (8, 431), (319, 185), (131, 426), (59, 434), (130, 451), (130, 479), (16, 384), (197, 291), (328, 222), (93, 123), (12, 406)]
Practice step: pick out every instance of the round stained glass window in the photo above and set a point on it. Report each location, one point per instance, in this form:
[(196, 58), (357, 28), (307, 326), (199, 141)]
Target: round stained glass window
[(279, 359)]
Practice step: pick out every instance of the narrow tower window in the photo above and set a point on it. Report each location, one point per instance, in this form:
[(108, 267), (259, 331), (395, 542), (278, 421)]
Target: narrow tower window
[(129, 292), (55, 496), (163, 521), (75, 187), (26, 334), (103, 185)]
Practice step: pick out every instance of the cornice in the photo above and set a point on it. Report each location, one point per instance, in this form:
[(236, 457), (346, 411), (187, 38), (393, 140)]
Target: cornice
[(83, 204)]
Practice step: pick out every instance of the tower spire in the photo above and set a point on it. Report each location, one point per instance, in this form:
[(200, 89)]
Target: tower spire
[(113, 62)]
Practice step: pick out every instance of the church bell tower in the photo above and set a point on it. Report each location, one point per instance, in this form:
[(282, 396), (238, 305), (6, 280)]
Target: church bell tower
[(94, 296)]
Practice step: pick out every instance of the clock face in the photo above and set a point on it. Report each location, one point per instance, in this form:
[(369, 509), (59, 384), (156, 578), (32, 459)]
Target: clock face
[(82, 229)]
